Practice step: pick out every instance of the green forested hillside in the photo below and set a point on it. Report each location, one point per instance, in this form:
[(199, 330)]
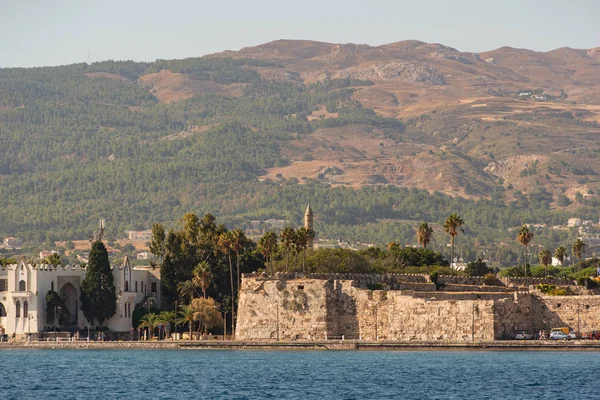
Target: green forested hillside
[(77, 148)]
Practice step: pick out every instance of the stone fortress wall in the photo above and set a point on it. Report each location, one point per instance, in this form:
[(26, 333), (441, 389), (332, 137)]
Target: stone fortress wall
[(327, 306)]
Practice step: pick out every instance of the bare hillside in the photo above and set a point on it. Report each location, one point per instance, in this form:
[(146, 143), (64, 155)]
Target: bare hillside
[(514, 117)]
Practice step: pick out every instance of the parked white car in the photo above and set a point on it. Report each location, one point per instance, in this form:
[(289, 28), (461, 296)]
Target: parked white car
[(522, 335), (573, 334), (558, 335)]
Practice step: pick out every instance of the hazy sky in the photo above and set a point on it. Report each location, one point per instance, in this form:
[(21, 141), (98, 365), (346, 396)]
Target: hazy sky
[(53, 32)]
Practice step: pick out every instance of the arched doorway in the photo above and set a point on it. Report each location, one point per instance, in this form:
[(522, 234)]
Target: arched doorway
[(69, 295), (2, 310)]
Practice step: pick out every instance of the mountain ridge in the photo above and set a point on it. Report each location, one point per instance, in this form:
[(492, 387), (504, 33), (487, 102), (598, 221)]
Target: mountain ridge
[(510, 126)]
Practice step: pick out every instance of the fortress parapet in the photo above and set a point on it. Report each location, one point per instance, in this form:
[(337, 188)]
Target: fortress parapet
[(297, 306)]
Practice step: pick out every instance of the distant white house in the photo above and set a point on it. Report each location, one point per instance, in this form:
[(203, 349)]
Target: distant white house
[(573, 222), (556, 263), (12, 243), (144, 255), (47, 253), (139, 235)]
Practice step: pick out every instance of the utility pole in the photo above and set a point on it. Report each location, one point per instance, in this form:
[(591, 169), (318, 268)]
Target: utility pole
[(473, 322), (376, 323), (578, 321)]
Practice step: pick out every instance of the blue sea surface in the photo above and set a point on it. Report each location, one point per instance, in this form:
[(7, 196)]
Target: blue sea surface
[(224, 374)]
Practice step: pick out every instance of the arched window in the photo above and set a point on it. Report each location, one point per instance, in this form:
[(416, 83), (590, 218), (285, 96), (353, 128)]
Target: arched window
[(52, 286), (2, 310), (18, 307), (22, 286), (25, 308), (127, 276)]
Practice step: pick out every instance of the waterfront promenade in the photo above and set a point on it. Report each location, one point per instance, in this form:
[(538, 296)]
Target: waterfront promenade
[(316, 345)]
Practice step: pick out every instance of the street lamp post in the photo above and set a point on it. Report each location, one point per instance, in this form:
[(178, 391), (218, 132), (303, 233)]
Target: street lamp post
[(176, 334), (55, 319)]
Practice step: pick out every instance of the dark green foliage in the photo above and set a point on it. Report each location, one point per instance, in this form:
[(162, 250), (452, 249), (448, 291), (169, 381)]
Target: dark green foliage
[(563, 201), (371, 260), (433, 277), (7, 261), (337, 261), (477, 268), (490, 279), (55, 302), (61, 130), (181, 250), (587, 282), (98, 297), (375, 286), (53, 259), (128, 69), (139, 312), (418, 257)]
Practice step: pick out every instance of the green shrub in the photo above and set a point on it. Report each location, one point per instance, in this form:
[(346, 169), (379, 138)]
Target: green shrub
[(490, 279), (375, 286), (552, 290)]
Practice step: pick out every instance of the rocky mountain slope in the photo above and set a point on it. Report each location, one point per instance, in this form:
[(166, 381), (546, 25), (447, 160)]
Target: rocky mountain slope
[(229, 132), (511, 116)]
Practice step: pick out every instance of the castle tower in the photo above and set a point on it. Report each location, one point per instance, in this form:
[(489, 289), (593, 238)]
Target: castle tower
[(308, 224)]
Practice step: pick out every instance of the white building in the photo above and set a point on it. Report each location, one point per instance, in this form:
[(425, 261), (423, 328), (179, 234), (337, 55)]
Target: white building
[(12, 243), (23, 289), (140, 235), (144, 255)]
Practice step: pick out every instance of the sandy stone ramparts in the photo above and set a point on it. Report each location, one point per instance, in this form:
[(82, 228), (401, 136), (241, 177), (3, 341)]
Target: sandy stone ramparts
[(308, 308)]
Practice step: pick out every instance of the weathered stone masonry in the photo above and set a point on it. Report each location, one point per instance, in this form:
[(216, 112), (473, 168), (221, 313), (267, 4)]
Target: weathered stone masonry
[(327, 307)]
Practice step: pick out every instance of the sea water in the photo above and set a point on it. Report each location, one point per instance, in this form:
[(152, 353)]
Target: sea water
[(223, 374)]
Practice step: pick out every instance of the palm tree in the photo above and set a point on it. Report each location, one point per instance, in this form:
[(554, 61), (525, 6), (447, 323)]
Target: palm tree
[(238, 241), (578, 248), (167, 319), (451, 226), (224, 243), (264, 249), (186, 289), (187, 317), (53, 259), (424, 234), (202, 277), (266, 245), (524, 237), (150, 321), (288, 235), (545, 259), (560, 254)]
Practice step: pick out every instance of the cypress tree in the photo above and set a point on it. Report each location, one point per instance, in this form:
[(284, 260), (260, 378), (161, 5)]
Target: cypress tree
[(98, 297)]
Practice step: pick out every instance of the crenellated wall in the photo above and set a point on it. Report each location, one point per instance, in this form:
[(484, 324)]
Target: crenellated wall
[(309, 308)]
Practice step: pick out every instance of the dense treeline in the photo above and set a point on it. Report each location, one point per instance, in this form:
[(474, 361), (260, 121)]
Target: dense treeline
[(77, 149)]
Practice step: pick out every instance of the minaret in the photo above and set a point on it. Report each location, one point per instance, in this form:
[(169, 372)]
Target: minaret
[(308, 224)]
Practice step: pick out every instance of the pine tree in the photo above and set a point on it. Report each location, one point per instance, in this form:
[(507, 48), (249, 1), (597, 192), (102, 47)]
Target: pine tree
[(98, 297)]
